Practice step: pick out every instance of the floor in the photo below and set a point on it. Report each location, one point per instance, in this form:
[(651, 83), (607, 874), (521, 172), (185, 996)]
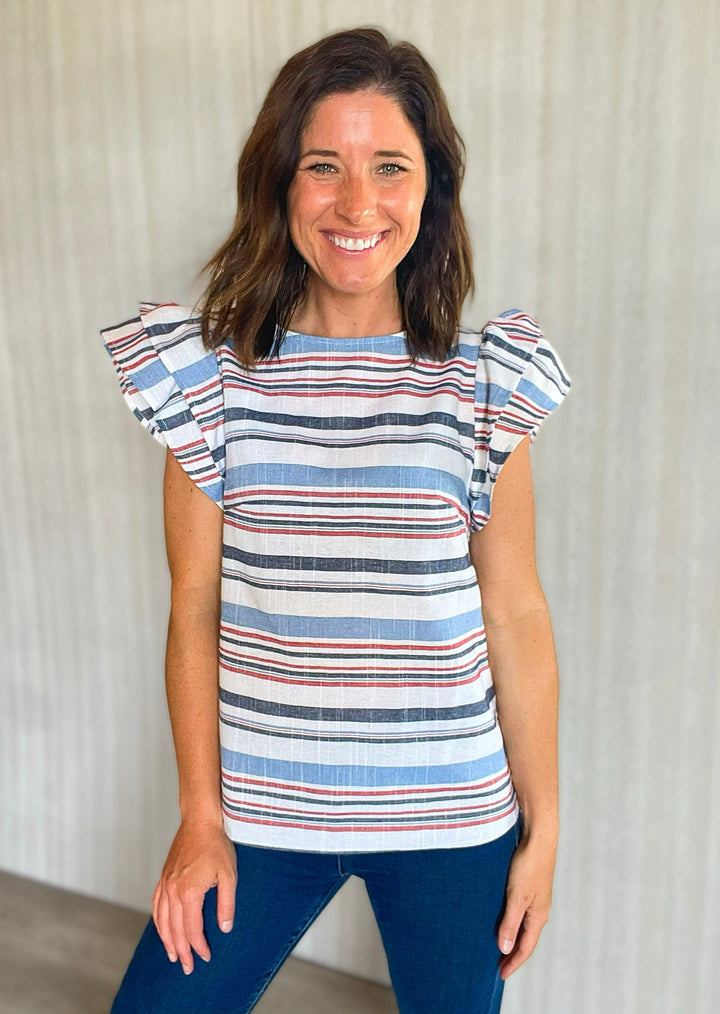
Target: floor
[(65, 953)]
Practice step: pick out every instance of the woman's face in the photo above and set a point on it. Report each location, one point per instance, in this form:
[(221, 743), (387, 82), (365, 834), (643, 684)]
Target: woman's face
[(361, 174)]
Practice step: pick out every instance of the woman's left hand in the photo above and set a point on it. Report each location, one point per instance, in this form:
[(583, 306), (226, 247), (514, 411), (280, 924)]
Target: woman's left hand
[(528, 899)]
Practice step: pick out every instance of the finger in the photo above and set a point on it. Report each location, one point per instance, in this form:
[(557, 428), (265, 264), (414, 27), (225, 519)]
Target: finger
[(162, 924), (525, 945), (510, 924), (177, 925), (513, 962), (226, 902), (193, 915), (156, 895)]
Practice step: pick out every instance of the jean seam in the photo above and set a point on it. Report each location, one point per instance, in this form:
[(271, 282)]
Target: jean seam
[(294, 939), (498, 989)]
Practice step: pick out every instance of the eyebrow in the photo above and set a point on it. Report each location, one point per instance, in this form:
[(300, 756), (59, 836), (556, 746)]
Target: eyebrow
[(383, 154)]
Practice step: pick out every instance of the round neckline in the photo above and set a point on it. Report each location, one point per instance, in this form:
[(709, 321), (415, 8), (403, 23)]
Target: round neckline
[(358, 338), (360, 342)]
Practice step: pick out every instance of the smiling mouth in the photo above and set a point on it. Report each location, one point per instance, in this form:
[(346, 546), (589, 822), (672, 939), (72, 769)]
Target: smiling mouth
[(355, 251)]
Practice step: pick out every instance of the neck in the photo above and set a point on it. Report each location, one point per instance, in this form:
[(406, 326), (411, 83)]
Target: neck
[(347, 315)]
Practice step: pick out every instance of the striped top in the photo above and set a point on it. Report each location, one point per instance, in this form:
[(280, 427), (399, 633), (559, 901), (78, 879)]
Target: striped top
[(356, 706)]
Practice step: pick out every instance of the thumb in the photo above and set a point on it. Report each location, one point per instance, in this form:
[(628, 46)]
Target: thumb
[(226, 903), (509, 928), (507, 942)]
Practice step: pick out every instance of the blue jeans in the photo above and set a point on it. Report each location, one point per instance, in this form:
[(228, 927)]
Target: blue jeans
[(438, 912)]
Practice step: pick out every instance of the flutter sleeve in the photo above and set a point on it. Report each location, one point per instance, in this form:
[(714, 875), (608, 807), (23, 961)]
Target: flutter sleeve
[(172, 384), (520, 380)]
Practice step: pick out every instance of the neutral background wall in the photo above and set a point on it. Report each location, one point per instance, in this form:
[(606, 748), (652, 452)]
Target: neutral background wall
[(592, 196)]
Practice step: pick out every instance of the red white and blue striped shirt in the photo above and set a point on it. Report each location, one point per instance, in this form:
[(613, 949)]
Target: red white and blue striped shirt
[(356, 706)]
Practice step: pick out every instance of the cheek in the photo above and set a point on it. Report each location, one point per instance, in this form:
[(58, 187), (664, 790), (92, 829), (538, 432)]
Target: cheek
[(406, 206), (306, 204), (292, 211)]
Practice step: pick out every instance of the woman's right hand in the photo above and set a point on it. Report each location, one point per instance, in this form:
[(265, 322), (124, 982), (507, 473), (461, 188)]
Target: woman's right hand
[(200, 857)]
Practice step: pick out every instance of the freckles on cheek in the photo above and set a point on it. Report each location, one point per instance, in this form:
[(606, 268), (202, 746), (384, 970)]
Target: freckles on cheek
[(306, 203)]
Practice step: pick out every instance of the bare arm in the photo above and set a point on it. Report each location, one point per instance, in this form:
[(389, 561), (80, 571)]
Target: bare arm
[(193, 538), (520, 644), (201, 855), (521, 653)]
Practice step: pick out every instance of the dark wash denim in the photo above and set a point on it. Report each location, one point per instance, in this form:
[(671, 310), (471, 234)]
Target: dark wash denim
[(438, 912)]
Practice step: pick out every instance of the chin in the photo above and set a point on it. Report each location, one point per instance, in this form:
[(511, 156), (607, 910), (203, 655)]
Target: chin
[(354, 288)]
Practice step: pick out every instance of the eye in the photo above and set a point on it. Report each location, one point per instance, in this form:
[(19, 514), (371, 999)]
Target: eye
[(321, 165)]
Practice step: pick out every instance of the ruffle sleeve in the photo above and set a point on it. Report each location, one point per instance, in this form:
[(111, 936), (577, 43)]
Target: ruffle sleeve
[(520, 380), (172, 384)]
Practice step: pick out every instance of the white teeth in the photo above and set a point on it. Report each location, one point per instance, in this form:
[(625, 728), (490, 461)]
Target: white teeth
[(355, 244)]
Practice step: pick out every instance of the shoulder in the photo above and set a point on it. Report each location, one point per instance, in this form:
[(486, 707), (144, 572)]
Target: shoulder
[(520, 379), (514, 352), (165, 326), (513, 331), (512, 337), (162, 342), (174, 386)]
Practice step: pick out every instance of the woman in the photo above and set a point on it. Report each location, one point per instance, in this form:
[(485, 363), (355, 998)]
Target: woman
[(335, 440)]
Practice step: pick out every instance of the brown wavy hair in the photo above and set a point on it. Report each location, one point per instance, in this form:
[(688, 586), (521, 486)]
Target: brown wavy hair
[(257, 277)]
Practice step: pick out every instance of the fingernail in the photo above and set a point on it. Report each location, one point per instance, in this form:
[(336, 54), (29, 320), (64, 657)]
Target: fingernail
[(186, 970), (204, 958), (505, 946), (226, 926), (173, 957)]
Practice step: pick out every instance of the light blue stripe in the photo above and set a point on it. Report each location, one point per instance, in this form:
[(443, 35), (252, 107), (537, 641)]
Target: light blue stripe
[(213, 489), (286, 475), (535, 394), (198, 372), (492, 394), (392, 344), (356, 775), (148, 376), (360, 628), (191, 375)]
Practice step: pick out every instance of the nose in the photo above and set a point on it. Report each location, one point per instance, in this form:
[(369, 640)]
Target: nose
[(356, 198)]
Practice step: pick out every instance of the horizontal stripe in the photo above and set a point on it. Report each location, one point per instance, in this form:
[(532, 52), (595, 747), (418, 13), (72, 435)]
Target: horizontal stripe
[(356, 704)]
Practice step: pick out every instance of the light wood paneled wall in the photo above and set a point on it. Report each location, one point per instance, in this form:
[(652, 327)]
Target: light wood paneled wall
[(593, 135)]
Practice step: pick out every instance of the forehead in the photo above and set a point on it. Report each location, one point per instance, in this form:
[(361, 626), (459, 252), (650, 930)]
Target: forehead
[(354, 117)]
